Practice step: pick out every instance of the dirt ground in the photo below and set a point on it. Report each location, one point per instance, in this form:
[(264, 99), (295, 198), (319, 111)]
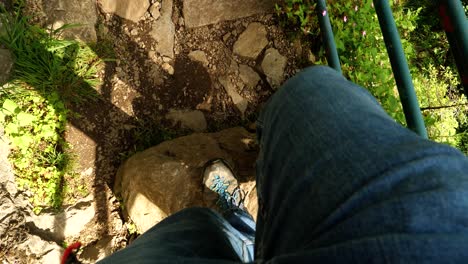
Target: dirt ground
[(139, 89)]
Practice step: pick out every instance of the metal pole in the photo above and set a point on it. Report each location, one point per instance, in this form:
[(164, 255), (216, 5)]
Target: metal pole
[(400, 68), (327, 33), (455, 25)]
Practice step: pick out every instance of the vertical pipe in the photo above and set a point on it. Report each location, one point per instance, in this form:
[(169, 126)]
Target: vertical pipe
[(327, 33), (455, 24), (400, 68)]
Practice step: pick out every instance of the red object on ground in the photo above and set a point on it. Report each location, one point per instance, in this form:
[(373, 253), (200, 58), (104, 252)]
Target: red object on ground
[(68, 256)]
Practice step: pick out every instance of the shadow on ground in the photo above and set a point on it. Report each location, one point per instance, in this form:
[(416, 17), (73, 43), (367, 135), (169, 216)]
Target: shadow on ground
[(103, 131), (128, 115)]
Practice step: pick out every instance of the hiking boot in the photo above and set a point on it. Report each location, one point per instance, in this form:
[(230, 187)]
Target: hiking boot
[(220, 179)]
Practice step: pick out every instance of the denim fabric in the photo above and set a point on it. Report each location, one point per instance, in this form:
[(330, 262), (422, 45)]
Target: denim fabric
[(338, 181), (194, 235), (245, 226)]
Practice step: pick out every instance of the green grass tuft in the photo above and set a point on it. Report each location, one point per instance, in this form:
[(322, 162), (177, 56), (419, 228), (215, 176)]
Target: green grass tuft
[(49, 73)]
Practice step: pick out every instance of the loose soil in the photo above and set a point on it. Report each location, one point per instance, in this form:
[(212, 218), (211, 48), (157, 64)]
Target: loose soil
[(137, 92)]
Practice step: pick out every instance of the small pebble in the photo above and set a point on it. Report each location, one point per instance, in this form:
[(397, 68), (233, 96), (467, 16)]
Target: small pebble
[(154, 10), (168, 68), (226, 36)]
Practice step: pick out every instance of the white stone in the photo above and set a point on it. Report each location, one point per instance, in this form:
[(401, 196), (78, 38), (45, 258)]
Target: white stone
[(7, 178), (252, 41), (83, 12), (168, 68), (248, 76), (163, 31), (155, 10), (44, 251), (199, 13), (97, 251), (199, 56), (69, 223), (240, 102), (226, 36), (132, 10), (273, 66)]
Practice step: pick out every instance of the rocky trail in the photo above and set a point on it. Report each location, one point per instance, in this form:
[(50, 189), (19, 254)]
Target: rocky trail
[(196, 67)]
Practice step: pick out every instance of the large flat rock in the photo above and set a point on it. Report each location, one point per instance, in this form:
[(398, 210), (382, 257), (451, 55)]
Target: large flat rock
[(252, 41), (167, 178), (273, 66), (240, 102), (132, 10), (199, 13), (60, 12), (67, 224), (193, 120), (163, 30)]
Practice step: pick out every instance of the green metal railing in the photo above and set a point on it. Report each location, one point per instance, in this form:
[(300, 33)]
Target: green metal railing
[(456, 27), (328, 39)]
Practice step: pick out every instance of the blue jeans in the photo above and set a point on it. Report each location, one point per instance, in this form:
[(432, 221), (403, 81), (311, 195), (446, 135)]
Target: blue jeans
[(338, 181)]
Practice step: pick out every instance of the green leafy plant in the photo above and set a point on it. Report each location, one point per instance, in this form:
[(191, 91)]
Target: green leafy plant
[(132, 229), (298, 14), (34, 128), (365, 61), (463, 138), (444, 112), (362, 50), (49, 73)]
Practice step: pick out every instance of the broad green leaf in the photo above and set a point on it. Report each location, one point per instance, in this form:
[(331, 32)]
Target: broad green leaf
[(11, 129), (22, 142), (22, 165), (36, 99), (9, 106), (25, 119), (62, 118), (48, 131)]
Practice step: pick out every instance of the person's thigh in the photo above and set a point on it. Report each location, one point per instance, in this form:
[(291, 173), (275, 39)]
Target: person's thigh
[(195, 235), (338, 179)]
